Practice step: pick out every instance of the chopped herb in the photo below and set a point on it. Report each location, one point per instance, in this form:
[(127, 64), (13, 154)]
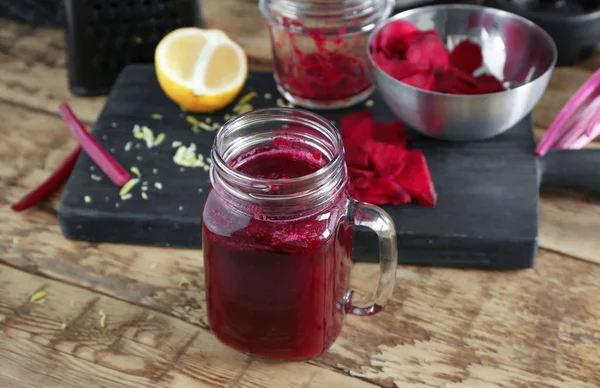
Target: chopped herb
[(128, 146), (159, 139), (184, 282), (38, 297), (92, 168), (187, 308), (15, 241), (155, 171), (148, 136), (157, 116), (144, 188), (201, 190), (128, 186), (282, 104), (126, 196), (192, 120), (137, 132), (209, 160), (227, 116), (63, 326), (206, 168), (176, 144), (247, 98), (138, 39), (136, 171), (117, 204), (139, 158), (102, 319), (144, 195), (208, 120), (242, 108), (95, 177), (158, 185), (268, 96), (369, 103), (87, 199)]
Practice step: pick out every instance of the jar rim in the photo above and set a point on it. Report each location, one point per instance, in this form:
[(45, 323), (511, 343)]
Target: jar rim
[(293, 116), (369, 13)]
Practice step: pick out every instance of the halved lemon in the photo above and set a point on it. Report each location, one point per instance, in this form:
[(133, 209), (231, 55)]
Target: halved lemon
[(201, 70)]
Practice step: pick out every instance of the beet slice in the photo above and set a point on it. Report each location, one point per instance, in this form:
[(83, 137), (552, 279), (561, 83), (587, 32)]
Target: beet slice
[(424, 80), (397, 68), (467, 56), (392, 39), (416, 179), (359, 124), (428, 49), (380, 190), (386, 159), (392, 133)]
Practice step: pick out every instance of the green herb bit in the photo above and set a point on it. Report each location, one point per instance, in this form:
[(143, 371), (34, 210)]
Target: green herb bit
[(144, 195), (87, 199), (184, 282), (16, 241), (102, 319), (157, 116), (38, 297), (95, 177), (136, 171), (159, 139), (187, 308), (63, 325), (247, 98), (128, 186)]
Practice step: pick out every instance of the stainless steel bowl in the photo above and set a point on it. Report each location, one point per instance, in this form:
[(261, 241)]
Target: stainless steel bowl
[(515, 50)]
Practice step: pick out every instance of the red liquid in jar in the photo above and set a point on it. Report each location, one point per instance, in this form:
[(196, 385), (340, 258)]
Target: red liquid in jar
[(275, 288)]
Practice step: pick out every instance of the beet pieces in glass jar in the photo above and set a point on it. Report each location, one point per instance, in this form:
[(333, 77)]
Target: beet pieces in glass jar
[(319, 48)]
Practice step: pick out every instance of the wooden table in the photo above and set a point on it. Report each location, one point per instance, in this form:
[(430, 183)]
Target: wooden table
[(444, 327)]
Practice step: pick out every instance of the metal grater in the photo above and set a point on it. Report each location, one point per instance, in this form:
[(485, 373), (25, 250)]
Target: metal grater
[(103, 36)]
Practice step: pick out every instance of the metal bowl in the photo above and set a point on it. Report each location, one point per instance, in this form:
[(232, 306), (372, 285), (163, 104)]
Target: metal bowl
[(515, 50)]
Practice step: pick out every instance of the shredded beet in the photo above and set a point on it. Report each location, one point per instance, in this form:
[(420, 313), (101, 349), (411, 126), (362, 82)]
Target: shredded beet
[(422, 60), (381, 169)]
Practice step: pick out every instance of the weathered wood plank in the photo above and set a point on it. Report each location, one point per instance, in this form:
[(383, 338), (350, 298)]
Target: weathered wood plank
[(64, 343)]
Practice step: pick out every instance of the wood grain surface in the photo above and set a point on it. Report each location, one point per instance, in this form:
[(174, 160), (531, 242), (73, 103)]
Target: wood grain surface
[(443, 327)]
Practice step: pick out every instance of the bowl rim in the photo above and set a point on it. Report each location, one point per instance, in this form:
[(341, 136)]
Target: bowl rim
[(471, 7)]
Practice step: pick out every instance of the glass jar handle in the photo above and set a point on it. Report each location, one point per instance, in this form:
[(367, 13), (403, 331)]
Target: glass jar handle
[(376, 219)]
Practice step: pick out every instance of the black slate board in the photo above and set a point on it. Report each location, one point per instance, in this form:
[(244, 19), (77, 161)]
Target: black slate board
[(487, 214)]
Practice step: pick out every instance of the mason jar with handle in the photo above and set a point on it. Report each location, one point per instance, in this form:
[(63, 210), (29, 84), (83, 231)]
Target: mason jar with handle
[(277, 236)]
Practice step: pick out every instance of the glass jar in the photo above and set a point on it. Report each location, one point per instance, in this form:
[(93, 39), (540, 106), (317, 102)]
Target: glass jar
[(320, 49), (277, 236)]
